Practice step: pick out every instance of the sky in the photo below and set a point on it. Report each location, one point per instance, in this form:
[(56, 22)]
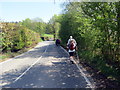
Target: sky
[(18, 11)]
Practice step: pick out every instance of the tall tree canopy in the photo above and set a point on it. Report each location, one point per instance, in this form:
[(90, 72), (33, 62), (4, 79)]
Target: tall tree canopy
[(96, 28)]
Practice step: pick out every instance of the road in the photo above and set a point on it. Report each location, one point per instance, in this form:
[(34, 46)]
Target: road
[(45, 66)]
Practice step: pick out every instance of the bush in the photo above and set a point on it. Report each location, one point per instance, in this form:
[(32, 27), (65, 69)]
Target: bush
[(16, 37)]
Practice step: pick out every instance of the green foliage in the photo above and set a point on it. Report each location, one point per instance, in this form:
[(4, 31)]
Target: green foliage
[(48, 35), (53, 26), (16, 37), (36, 25), (96, 28)]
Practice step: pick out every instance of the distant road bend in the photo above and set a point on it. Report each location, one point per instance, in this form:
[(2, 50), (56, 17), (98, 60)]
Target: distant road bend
[(45, 66)]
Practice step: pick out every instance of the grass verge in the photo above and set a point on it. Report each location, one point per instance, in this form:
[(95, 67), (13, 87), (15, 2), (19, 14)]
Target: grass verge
[(8, 55), (48, 35)]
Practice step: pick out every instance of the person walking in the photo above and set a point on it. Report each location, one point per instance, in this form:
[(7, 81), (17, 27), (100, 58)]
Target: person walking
[(71, 45), (57, 42), (71, 38)]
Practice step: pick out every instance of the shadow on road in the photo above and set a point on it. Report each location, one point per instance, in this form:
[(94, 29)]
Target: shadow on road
[(55, 75), (52, 50), (52, 71)]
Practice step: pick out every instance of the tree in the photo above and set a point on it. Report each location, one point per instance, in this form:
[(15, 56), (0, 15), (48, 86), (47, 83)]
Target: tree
[(96, 27), (36, 25), (54, 26)]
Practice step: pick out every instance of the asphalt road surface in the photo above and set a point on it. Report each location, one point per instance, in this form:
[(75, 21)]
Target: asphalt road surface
[(45, 66)]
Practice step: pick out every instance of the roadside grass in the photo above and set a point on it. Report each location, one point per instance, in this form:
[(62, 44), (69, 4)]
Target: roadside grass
[(109, 74), (2, 57), (48, 35), (40, 40), (104, 74), (9, 54)]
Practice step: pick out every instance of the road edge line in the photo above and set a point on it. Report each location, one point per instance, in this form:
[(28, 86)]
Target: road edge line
[(83, 74), (18, 55), (30, 66)]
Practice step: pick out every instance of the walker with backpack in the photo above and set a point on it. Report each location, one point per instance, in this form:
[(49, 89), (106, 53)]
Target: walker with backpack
[(57, 42), (71, 46)]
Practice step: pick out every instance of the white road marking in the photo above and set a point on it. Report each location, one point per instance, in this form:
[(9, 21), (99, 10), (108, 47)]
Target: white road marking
[(11, 59), (30, 66), (18, 55), (83, 74)]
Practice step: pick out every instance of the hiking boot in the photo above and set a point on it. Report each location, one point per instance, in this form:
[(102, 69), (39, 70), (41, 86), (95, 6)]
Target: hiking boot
[(72, 62)]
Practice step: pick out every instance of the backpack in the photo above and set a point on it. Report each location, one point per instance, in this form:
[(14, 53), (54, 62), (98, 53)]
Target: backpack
[(71, 46), (58, 41)]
